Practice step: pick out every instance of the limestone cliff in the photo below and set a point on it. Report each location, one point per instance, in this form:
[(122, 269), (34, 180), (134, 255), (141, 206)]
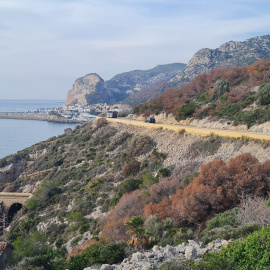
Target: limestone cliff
[(89, 89), (92, 88), (231, 53)]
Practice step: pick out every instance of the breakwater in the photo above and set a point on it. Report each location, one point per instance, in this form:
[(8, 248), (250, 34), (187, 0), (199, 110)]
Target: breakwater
[(40, 115)]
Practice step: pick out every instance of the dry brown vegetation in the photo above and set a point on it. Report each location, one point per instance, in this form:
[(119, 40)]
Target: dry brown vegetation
[(201, 89), (217, 188)]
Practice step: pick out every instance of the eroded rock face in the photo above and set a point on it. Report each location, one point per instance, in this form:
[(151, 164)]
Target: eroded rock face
[(11, 172), (89, 89), (92, 89), (228, 54)]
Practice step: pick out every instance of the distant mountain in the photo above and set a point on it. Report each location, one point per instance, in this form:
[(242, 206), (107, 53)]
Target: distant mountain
[(148, 93), (231, 53), (92, 88)]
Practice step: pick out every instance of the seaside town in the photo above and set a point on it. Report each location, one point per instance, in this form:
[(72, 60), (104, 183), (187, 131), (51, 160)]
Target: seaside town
[(71, 113)]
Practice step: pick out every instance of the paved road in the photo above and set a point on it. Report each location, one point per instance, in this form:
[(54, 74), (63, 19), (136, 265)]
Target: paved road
[(195, 130)]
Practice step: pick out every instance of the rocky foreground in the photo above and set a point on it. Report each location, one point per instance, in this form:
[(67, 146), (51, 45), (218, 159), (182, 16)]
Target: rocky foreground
[(159, 255)]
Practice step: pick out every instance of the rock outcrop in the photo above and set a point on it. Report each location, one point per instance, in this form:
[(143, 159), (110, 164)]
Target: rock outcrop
[(6, 252), (12, 171), (159, 255), (92, 89), (231, 53)]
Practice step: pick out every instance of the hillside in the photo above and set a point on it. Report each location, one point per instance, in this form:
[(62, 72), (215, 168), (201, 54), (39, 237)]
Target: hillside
[(101, 175), (236, 95), (231, 53), (138, 86), (92, 89)]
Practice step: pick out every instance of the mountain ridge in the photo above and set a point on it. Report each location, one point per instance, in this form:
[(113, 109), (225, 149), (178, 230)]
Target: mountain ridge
[(91, 88), (134, 87), (239, 53)]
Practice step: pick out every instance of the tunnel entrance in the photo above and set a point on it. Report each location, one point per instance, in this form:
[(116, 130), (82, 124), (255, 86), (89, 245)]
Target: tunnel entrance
[(13, 210)]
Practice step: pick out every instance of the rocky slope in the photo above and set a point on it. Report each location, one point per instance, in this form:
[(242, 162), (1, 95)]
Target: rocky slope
[(158, 256), (91, 168), (231, 53), (92, 89)]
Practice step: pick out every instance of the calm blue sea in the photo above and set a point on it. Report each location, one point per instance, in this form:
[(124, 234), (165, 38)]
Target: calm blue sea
[(16, 134), (29, 105)]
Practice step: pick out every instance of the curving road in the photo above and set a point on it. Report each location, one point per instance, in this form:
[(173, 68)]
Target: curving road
[(195, 130)]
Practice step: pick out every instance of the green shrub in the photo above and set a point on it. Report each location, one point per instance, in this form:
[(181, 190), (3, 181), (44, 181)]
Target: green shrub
[(263, 94), (167, 224), (231, 110), (188, 179), (128, 186), (148, 180), (154, 228), (249, 118), (84, 228), (44, 195), (250, 253), (186, 111), (3, 162), (132, 168), (97, 254), (76, 240), (227, 218), (228, 232), (158, 156), (28, 223), (164, 172), (119, 140), (37, 253), (75, 216), (220, 88)]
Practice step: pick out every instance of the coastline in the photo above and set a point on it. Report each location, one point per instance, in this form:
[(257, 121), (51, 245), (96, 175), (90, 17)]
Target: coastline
[(40, 116)]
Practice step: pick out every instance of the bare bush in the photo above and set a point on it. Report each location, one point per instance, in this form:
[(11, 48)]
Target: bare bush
[(104, 134), (101, 122), (140, 145), (120, 139), (186, 169), (163, 189), (253, 210)]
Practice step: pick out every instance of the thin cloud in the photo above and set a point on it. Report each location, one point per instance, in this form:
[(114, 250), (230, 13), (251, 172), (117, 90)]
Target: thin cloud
[(67, 39)]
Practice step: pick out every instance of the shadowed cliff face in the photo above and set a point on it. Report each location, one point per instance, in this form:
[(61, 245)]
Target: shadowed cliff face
[(11, 172), (231, 53), (92, 89)]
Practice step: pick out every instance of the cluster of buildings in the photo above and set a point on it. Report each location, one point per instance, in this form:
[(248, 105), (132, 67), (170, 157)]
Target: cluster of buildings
[(86, 112)]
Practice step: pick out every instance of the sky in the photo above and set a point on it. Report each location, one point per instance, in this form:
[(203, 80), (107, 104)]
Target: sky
[(45, 45)]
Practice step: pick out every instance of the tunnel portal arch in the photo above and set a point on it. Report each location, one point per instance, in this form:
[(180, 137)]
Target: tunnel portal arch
[(13, 210), (10, 204)]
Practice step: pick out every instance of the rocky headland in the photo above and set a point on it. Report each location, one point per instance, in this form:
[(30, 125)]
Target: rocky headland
[(92, 89)]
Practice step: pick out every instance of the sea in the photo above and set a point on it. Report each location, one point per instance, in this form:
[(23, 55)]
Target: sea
[(15, 135)]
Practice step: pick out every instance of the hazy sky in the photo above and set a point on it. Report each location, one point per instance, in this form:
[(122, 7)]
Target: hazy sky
[(46, 44)]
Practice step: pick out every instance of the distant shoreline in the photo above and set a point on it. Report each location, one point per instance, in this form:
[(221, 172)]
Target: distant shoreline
[(40, 116)]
